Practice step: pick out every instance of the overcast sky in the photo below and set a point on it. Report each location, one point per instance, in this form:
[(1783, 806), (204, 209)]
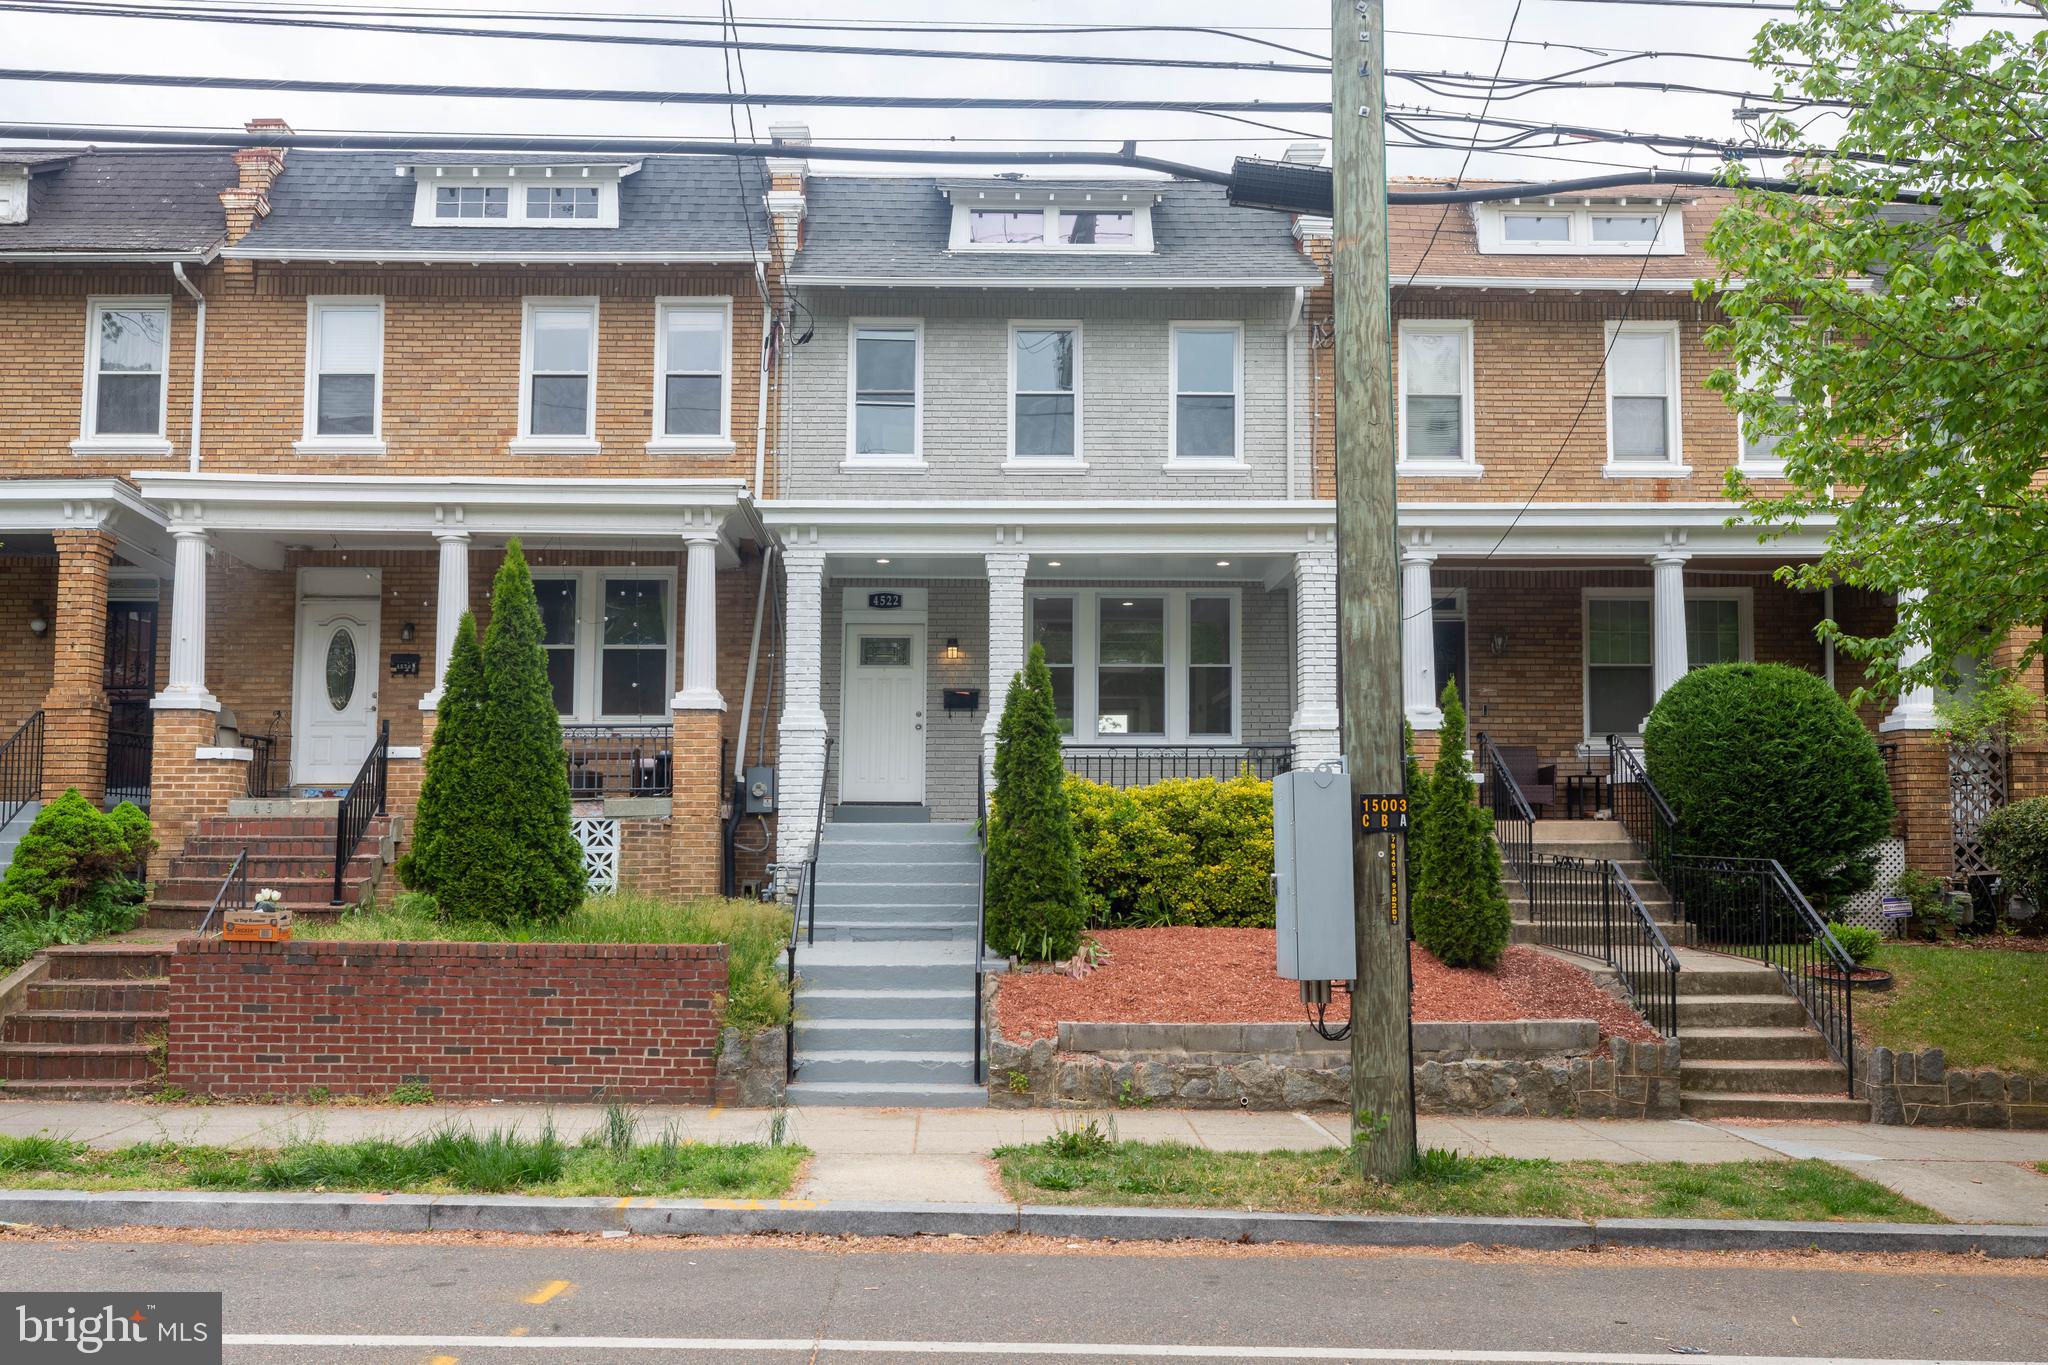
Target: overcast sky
[(1435, 35)]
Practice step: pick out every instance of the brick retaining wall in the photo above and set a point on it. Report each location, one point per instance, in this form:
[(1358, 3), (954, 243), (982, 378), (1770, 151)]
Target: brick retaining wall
[(511, 1021)]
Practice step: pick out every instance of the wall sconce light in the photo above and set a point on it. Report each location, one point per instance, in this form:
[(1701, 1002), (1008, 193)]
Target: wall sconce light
[(1498, 642), (952, 653), (39, 623), (406, 632)]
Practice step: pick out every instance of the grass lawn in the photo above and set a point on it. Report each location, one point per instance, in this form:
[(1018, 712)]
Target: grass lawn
[(757, 995), (446, 1162), (1080, 1168), (1983, 1007)]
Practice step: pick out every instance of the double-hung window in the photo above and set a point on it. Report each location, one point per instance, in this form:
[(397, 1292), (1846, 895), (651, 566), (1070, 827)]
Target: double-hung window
[(1620, 665), (1759, 454), (609, 637), (1436, 398), (344, 372), (692, 400), (127, 353), (1206, 420), (1642, 398), (556, 411), (1141, 666), (887, 361), (1045, 385)]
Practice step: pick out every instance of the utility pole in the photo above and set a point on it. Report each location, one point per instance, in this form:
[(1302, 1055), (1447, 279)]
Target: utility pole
[(1368, 585)]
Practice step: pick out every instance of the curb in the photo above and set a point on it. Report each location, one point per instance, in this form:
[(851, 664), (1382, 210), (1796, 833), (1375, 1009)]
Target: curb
[(830, 1218)]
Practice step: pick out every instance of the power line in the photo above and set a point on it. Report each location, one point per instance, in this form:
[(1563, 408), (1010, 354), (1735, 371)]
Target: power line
[(1779, 6), (1471, 145)]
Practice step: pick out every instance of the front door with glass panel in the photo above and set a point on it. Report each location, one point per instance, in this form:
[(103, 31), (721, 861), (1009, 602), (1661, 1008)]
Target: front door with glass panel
[(334, 719), (882, 730)]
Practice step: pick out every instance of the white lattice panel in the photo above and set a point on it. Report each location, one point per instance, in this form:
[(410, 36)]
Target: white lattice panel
[(1863, 907), (599, 837)]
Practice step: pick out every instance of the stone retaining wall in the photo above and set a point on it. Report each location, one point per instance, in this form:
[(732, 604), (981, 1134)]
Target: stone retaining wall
[(751, 1070), (1917, 1089)]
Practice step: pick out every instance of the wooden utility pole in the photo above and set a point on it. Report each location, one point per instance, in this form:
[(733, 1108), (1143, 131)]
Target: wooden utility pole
[(1368, 584)]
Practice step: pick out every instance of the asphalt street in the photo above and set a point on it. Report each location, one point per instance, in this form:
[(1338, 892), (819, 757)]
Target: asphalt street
[(454, 1303)]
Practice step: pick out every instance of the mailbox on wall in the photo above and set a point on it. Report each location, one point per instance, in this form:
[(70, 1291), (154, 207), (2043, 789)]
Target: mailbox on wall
[(963, 699)]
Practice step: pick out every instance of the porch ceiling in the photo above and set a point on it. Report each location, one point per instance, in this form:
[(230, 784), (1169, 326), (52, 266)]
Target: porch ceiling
[(1078, 566), (31, 509)]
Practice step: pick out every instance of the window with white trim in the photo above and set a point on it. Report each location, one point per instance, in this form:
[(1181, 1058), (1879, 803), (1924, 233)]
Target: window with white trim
[(1212, 667), (547, 202), (1642, 393), (1071, 227), (609, 637), (127, 349), (472, 201), (1052, 628), (1620, 665), (561, 358), (692, 352), (1135, 665), (1552, 227), (1207, 376), (344, 367), (1759, 453), (1045, 370), (1713, 631), (886, 364), (1436, 392), (561, 195)]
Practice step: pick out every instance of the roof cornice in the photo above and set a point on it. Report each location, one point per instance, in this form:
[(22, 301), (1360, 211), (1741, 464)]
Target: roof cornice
[(323, 255), (1307, 280)]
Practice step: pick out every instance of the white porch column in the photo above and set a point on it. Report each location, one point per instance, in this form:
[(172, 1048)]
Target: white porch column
[(1006, 645), (451, 601), (1667, 619), (186, 690), (800, 747), (700, 624), (1314, 729), (1418, 641), (1915, 710)]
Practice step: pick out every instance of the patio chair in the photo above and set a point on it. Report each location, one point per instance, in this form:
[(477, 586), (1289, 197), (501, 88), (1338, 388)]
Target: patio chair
[(1538, 781)]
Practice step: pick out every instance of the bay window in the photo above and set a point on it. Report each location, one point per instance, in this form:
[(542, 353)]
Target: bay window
[(609, 636), (1141, 666)]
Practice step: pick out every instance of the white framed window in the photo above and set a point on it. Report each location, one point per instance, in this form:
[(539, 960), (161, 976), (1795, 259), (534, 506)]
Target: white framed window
[(1757, 452), (1643, 433), (1620, 651), (557, 378), (565, 195), (549, 202), (1435, 417), (472, 201), (1045, 393), (1205, 418), (609, 635), (884, 398), (1095, 223), (344, 375), (1141, 665), (1554, 227), (127, 375), (692, 375)]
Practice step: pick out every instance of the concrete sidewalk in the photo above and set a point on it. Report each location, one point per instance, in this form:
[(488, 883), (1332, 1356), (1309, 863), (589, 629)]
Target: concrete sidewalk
[(939, 1155)]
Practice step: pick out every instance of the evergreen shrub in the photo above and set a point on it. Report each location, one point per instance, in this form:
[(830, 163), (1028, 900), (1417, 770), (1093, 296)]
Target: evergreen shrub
[(1458, 906), (1033, 892)]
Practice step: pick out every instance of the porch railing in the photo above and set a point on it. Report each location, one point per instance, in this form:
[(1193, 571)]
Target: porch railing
[(1587, 906), (128, 760), (1749, 907), (1140, 765), (21, 768), (619, 760), (980, 909), (362, 803), (233, 893), (1514, 819), (264, 778), (803, 920), (1639, 808)]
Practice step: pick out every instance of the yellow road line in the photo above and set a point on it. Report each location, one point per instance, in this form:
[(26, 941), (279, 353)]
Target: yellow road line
[(548, 1291), (444, 1360)]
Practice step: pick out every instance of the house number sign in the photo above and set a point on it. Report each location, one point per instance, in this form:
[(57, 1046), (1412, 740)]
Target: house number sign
[(405, 665), (885, 601)]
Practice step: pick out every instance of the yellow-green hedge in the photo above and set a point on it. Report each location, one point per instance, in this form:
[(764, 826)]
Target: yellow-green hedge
[(1186, 851)]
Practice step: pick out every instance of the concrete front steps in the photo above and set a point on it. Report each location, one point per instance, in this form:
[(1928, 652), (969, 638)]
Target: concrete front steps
[(90, 1023), (293, 853), (1747, 1049), (885, 993), (11, 832), (1594, 840)]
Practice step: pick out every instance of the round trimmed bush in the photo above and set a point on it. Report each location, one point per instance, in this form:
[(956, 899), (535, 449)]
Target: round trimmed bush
[(1765, 761), (2016, 840)]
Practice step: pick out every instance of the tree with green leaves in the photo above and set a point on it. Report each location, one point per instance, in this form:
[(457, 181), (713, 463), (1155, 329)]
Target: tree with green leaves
[(1033, 895), (449, 796), (1458, 905), (1897, 354)]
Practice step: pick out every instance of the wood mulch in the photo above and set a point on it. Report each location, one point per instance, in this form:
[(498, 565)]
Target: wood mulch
[(1226, 976)]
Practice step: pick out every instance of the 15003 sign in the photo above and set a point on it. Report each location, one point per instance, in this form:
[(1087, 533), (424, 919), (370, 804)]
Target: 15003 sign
[(1383, 814)]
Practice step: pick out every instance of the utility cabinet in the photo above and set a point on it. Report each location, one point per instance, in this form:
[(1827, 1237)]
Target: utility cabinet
[(1312, 902)]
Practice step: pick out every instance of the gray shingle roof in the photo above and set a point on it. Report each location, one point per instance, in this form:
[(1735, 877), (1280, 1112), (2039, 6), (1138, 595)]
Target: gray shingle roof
[(896, 229), (121, 202), (357, 202)]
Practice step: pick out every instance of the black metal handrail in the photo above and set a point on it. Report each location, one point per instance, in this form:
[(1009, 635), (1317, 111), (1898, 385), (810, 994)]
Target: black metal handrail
[(980, 908), (620, 760), (233, 893), (1140, 765), (804, 916), (262, 765), (1639, 808), (128, 765), (1514, 819), (1750, 908), (361, 804), (21, 768), (1587, 906)]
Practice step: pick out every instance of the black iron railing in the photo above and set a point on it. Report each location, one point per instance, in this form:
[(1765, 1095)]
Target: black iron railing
[(1514, 819), (128, 755), (619, 760), (804, 918), (361, 804), (1639, 808), (233, 893), (1140, 765), (265, 779), (1587, 906), (21, 768), (980, 908), (1749, 907)]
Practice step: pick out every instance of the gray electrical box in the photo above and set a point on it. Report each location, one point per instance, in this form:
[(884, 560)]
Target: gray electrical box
[(1312, 906), (760, 796)]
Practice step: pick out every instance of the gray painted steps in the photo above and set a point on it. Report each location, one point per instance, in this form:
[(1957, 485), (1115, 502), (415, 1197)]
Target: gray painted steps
[(894, 1095), (1750, 1043), (874, 1006), (886, 930), (1796, 1108), (927, 1034)]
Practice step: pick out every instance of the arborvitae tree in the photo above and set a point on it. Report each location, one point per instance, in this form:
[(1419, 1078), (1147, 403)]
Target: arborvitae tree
[(514, 857), (1414, 782), (1034, 881), (449, 798), (1459, 907)]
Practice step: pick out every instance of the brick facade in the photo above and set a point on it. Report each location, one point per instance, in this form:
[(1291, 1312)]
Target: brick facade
[(511, 1021), (185, 788)]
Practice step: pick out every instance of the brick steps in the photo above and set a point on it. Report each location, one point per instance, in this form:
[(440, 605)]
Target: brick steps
[(86, 1027), (147, 995), (292, 854), (87, 1031)]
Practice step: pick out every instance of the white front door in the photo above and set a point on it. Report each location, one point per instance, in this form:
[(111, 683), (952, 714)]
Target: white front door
[(881, 755), (334, 712)]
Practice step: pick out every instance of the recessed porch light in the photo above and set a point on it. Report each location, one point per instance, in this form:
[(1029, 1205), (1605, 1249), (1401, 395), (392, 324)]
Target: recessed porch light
[(1222, 563), (1052, 563), (881, 561)]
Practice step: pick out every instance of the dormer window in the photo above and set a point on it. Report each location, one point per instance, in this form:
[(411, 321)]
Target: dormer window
[(561, 201), (471, 201), (13, 194), (1556, 227), (577, 195), (1050, 218)]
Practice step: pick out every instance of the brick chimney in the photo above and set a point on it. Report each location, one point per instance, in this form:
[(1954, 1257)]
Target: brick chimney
[(786, 175), (258, 168)]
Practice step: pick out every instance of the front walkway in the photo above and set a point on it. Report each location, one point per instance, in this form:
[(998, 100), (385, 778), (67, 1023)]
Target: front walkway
[(939, 1155)]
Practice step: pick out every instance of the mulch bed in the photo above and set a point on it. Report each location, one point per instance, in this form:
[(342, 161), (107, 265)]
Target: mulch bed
[(1225, 976)]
